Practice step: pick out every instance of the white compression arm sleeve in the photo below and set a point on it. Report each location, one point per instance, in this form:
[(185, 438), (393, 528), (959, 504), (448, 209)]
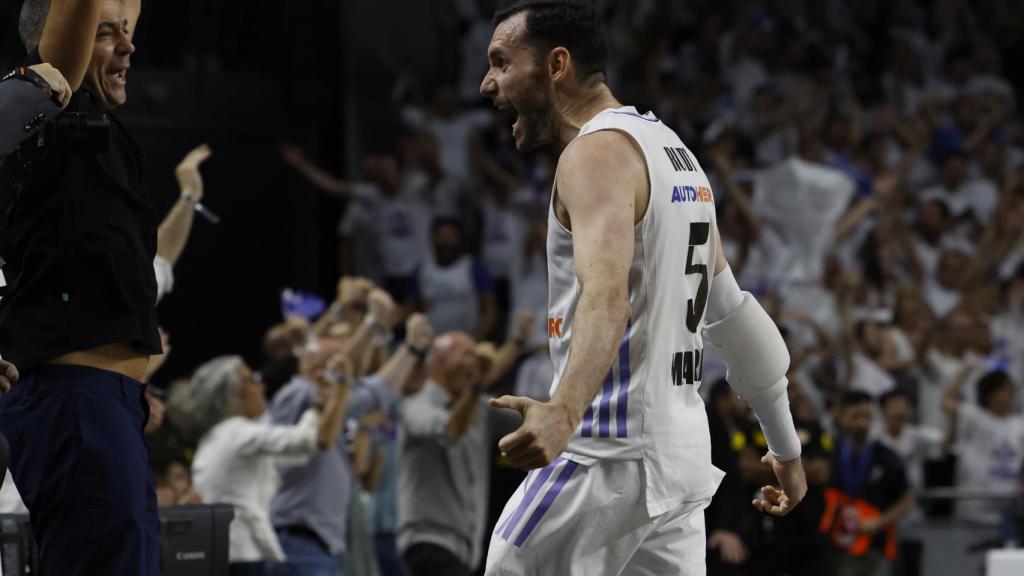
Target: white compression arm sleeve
[(757, 359), (724, 297)]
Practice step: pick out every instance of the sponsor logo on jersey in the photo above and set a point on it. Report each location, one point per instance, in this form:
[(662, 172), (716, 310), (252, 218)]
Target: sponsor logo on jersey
[(692, 194), (555, 326)]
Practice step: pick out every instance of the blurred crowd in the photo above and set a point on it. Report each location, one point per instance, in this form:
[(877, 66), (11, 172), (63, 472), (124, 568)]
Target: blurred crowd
[(868, 165)]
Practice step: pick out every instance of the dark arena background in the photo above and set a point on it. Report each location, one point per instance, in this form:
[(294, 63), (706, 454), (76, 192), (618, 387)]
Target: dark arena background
[(362, 203)]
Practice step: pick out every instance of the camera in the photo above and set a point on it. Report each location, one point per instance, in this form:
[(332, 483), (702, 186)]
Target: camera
[(75, 129), (70, 130)]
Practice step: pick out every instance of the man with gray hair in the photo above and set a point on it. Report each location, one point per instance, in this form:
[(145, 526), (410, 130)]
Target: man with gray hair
[(78, 317)]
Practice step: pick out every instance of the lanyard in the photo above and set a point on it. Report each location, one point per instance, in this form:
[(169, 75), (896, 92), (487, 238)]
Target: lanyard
[(853, 475)]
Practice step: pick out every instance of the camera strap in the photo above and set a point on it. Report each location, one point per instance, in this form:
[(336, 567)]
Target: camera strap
[(26, 74)]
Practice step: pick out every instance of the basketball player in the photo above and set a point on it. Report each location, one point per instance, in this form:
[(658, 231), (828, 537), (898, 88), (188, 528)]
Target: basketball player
[(620, 456)]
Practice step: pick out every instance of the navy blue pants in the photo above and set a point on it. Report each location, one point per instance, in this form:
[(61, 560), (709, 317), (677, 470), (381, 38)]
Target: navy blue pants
[(80, 462)]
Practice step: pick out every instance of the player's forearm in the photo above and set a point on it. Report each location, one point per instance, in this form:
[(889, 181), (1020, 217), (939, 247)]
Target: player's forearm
[(68, 37), (600, 321), (174, 231)]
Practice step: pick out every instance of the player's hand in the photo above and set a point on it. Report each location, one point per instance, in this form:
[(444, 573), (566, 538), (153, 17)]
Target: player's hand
[(732, 549), (189, 180), (8, 375), (794, 487), (59, 87), (544, 434)]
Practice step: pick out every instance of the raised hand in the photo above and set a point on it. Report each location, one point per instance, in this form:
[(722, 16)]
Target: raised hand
[(291, 154), (190, 181), (353, 290), (380, 305), (418, 332), (337, 377)]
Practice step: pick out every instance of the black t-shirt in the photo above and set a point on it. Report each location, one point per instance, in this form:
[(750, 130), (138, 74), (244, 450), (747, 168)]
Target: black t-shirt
[(79, 243), (883, 483), (880, 479)]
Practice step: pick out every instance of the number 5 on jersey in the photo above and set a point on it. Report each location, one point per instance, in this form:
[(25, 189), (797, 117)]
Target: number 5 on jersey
[(688, 367), (699, 233)]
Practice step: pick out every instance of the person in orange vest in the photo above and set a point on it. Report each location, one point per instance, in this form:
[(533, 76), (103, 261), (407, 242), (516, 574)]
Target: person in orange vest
[(868, 493)]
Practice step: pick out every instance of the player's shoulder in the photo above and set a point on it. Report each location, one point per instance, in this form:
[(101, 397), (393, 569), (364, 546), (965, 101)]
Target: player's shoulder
[(599, 152)]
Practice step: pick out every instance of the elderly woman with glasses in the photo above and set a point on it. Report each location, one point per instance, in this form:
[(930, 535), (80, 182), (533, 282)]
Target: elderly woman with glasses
[(238, 453)]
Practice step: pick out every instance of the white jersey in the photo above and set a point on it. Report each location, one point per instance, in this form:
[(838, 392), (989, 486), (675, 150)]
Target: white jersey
[(648, 407)]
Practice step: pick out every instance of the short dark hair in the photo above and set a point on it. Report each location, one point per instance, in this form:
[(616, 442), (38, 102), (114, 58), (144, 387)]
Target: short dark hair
[(575, 25), (892, 394), (989, 384), (31, 22), (855, 398)]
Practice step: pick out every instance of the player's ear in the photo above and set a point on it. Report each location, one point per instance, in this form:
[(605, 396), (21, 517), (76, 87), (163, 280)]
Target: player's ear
[(559, 64)]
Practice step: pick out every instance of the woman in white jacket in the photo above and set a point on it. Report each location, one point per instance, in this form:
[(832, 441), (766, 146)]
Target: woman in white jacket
[(238, 453)]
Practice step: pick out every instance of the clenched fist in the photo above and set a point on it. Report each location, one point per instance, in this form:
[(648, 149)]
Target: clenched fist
[(418, 332), (380, 305)]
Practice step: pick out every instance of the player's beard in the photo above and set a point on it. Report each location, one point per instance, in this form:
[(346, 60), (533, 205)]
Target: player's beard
[(537, 124)]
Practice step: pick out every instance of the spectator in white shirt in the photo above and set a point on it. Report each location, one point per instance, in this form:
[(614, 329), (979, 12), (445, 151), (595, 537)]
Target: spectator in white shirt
[(990, 440), (237, 455), (967, 198), (384, 230), (452, 288), (452, 128), (914, 444)]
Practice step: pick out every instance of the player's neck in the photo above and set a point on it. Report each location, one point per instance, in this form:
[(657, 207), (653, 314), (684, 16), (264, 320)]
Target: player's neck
[(579, 108)]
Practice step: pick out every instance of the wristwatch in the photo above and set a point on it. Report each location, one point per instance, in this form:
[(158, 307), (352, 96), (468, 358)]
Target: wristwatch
[(420, 353)]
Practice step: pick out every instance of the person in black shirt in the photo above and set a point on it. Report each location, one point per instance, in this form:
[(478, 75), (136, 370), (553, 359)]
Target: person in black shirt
[(79, 315), (868, 492), (743, 542)]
